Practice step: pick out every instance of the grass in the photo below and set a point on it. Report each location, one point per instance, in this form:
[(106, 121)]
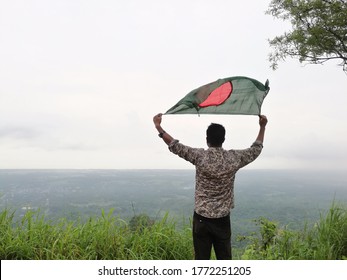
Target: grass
[(105, 237), (326, 240), (109, 238)]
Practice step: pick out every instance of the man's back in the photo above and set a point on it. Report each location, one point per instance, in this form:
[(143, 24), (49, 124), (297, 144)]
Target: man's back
[(215, 174)]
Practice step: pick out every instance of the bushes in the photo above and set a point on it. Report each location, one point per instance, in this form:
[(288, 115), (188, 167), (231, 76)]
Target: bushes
[(326, 240)]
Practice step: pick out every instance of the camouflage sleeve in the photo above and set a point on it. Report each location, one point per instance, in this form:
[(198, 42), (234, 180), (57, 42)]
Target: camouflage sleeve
[(250, 154), (185, 152)]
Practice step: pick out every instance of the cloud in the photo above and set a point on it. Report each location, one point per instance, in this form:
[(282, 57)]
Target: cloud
[(81, 81), (18, 132)]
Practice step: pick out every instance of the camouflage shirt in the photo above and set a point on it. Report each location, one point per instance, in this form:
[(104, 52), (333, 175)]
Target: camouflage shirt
[(215, 175)]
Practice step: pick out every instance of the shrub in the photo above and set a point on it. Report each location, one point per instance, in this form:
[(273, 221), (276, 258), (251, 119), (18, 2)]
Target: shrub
[(326, 240)]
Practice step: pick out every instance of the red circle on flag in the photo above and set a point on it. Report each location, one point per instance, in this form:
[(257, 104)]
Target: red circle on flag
[(218, 96)]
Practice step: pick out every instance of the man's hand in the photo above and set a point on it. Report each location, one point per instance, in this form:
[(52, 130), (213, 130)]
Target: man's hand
[(157, 122), (262, 124), (157, 119), (262, 120)]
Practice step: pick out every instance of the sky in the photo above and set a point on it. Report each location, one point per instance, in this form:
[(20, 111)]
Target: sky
[(80, 81)]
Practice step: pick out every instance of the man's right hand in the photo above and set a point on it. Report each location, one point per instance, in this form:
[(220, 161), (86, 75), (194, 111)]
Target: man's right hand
[(157, 122), (157, 119)]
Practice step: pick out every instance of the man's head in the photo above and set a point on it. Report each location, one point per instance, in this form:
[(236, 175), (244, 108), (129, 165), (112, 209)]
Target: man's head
[(215, 135)]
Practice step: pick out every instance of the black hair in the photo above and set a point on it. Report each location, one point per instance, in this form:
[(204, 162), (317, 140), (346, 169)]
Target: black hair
[(215, 135)]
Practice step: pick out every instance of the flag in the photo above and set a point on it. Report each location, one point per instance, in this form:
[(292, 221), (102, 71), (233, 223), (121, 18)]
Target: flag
[(234, 95)]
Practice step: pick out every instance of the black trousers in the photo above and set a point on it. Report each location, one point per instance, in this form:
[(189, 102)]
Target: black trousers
[(211, 232)]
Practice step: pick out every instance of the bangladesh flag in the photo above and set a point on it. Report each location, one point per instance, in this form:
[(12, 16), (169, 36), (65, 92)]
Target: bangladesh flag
[(234, 95)]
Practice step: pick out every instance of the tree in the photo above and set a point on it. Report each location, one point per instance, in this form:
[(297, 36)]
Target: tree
[(319, 31), (140, 222)]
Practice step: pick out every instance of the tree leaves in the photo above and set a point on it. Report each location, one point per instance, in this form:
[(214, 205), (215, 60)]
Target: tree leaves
[(319, 31)]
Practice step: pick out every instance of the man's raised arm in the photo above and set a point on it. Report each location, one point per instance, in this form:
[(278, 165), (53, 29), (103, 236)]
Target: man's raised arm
[(162, 133), (262, 124)]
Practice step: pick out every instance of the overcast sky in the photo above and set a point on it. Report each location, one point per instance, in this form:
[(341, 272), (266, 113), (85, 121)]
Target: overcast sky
[(81, 80)]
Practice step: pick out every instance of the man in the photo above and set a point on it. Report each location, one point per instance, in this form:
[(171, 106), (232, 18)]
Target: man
[(214, 189)]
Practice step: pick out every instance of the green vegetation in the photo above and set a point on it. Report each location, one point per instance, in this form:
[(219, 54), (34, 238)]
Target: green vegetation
[(326, 240), (318, 31), (106, 237), (109, 237)]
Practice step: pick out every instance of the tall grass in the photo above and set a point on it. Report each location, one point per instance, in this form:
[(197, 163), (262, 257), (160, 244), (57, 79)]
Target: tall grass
[(108, 237), (326, 240), (105, 237)]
